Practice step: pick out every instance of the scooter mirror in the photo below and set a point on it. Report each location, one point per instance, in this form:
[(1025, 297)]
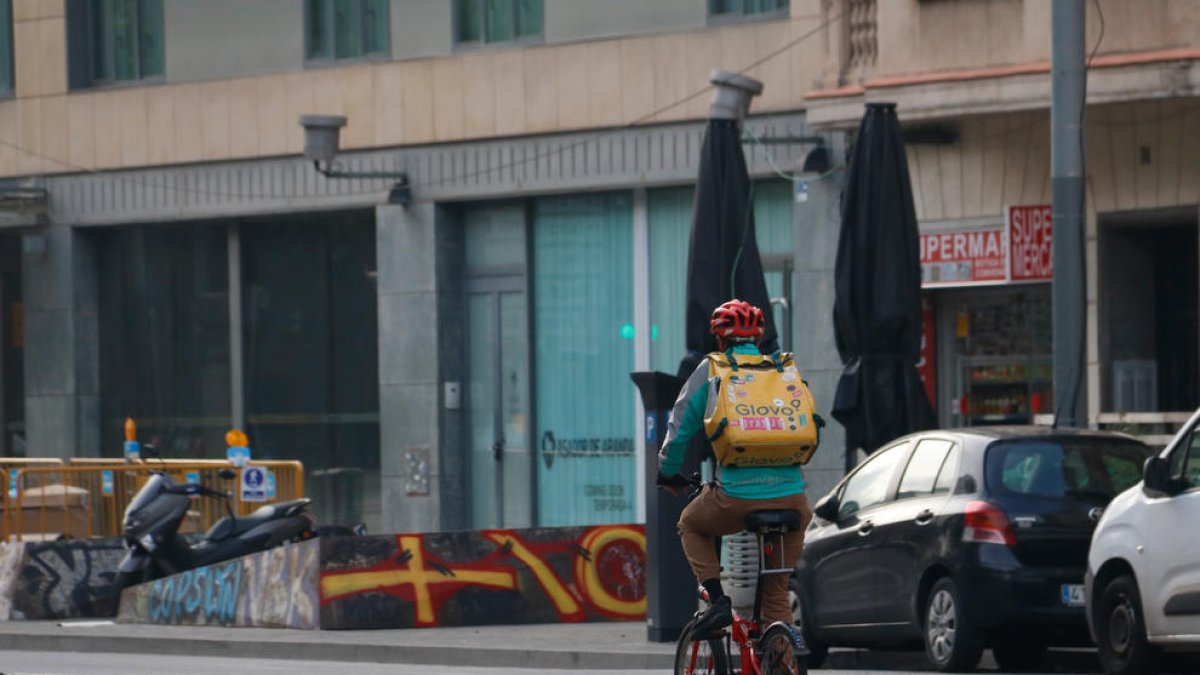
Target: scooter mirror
[(227, 474)]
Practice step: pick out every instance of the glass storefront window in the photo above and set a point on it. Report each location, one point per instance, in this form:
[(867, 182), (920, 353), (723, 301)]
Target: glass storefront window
[(1000, 346), (670, 230), (164, 337), (311, 355), (583, 322)]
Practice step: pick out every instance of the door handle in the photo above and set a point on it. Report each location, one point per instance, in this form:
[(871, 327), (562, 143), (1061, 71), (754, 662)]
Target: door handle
[(925, 517), (498, 450), (866, 528)]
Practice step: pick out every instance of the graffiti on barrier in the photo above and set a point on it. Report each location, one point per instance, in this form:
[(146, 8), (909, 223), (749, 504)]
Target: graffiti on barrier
[(206, 595), (274, 588), (67, 579), (518, 576)]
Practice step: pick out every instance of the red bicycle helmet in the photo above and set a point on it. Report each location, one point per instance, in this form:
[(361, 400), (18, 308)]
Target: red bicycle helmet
[(737, 319)]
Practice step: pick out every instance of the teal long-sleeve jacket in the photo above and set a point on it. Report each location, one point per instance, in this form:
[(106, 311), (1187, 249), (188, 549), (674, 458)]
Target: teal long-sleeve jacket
[(687, 420)]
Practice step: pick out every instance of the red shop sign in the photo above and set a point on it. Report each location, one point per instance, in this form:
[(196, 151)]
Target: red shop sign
[(1031, 237), (964, 258)]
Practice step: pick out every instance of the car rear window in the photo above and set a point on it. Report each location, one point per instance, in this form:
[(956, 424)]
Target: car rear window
[(1065, 467)]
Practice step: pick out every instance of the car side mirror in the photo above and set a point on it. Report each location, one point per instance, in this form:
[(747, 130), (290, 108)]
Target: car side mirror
[(1156, 476), (827, 507)]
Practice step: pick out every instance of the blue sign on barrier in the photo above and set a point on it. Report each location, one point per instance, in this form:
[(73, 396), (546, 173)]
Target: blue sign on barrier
[(239, 455), (12, 483), (192, 477), (270, 484), (106, 481), (254, 484)]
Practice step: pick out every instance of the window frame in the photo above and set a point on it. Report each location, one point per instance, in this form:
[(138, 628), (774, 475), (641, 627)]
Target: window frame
[(723, 18), (332, 59), (1179, 474), (471, 45), (946, 458), (10, 65), (903, 451), (82, 34)]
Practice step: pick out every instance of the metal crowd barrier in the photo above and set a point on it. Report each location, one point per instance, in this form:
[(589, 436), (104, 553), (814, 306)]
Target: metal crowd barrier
[(12, 467), (88, 498)]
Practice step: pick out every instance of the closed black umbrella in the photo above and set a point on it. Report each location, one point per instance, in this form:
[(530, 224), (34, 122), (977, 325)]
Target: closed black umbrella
[(723, 257), (877, 305)]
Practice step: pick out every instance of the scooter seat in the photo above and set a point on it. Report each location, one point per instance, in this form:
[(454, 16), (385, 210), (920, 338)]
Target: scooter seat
[(231, 527)]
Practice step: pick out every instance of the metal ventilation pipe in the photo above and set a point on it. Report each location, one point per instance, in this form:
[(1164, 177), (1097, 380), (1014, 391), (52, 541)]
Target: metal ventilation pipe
[(732, 94)]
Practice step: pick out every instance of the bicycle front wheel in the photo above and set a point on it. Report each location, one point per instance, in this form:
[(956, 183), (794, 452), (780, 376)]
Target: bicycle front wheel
[(779, 652), (700, 657)]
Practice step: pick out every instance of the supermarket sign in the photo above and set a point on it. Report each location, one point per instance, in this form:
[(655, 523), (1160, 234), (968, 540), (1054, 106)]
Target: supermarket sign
[(1018, 252)]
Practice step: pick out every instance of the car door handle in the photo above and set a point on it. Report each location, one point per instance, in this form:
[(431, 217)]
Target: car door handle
[(866, 528), (925, 517)]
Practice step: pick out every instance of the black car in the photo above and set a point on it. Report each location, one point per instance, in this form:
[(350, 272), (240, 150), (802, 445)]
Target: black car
[(962, 539)]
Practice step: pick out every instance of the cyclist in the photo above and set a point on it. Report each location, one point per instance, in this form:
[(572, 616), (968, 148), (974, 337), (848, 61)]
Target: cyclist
[(721, 507)]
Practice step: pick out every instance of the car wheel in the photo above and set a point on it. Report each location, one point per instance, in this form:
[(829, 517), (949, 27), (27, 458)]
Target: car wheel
[(1016, 653), (952, 644), (1121, 630), (817, 650)]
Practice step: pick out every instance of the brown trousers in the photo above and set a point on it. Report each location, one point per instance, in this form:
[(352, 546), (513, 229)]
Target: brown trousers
[(713, 513)]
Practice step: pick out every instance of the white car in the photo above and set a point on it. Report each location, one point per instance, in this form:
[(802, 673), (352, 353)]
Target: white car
[(1143, 578)]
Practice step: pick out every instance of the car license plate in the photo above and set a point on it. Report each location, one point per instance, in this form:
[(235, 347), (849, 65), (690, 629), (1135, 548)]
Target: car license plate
[(1072, 595)]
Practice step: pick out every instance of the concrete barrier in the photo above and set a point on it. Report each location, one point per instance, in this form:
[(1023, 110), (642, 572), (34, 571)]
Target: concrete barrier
[(10, 562), (498, 577), (58, 579), (541, 575), (275, 589)]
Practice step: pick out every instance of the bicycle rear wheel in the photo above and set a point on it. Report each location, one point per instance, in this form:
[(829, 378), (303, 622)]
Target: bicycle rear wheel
[(779, 652), (700, 657)]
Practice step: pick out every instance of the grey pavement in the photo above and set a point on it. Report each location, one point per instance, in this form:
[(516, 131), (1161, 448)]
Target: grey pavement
[(575, 648), (604, 646)]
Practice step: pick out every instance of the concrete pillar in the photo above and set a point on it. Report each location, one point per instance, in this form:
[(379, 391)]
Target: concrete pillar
[(816, 216), (62, 345), (419, 349)]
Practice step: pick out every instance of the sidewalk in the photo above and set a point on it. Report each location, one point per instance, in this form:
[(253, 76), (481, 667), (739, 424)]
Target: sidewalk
[(615, 646)]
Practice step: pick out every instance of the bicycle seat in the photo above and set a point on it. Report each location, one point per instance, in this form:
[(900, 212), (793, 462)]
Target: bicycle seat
[(785, 519)]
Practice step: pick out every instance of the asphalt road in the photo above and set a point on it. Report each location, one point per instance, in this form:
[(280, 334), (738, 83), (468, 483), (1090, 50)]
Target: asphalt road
[(74, 663)]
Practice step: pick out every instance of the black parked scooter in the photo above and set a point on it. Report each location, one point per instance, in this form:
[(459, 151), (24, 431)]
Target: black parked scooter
[(156, 549)]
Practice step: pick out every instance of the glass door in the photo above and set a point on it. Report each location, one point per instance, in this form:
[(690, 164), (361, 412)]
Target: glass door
[(498, 400)]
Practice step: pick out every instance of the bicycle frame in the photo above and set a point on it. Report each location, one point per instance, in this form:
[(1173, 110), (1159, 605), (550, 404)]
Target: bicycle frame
[(743, 632)]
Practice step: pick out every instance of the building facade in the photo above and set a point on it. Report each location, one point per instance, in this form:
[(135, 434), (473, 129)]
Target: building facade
[(459, 357), (972, 85)]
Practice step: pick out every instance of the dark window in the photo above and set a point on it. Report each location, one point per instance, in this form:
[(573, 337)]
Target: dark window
[(1185, 462), (869, 485), (164, 337), (923, 469), (6, 44), (310, 347), (1064, 467), (487, 21), (747, 8), (345, 29), (114, 41)]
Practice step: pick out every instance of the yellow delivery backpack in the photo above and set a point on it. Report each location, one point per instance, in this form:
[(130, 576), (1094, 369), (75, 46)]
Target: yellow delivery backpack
[(764, 415)]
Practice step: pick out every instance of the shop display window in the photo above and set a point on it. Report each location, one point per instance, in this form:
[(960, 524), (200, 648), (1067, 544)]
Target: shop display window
[(1001, 355)]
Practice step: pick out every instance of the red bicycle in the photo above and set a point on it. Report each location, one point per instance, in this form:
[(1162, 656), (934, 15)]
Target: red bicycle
[(778, 650)]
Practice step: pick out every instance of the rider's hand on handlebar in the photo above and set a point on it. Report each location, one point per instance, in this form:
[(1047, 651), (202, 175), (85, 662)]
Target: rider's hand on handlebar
[(676, 484)]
